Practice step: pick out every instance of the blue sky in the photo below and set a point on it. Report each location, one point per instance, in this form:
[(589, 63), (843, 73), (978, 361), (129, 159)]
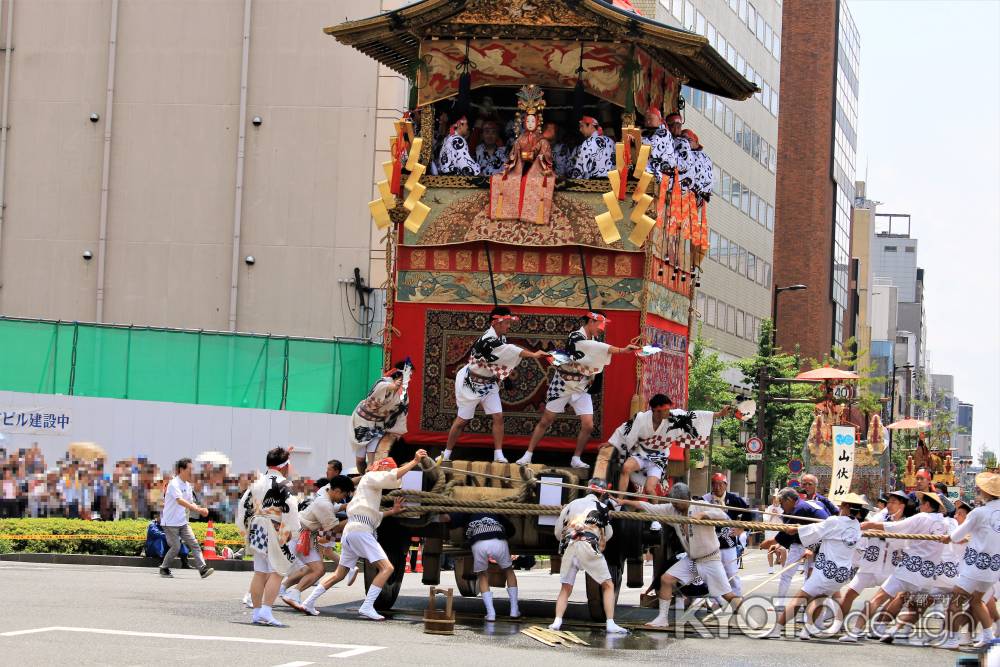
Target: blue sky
[(929, 140)]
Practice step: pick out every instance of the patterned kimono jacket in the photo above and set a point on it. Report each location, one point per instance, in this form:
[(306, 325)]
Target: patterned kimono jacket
[(268, 517), (661, 153), (595, 157), (491, 163), (455, 158)]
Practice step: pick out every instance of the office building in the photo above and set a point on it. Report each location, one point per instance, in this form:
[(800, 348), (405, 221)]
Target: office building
[(817, 140), (144, 185), (741, 138)]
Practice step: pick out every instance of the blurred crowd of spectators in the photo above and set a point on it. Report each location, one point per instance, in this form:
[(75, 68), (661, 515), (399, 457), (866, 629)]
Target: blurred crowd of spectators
[(134, 489)]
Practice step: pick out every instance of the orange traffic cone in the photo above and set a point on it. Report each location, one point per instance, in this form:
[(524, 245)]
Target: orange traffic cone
[(420, 559), (208, 549)]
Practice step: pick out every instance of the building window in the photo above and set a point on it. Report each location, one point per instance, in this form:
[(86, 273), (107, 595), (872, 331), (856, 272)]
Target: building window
[(689, 15), (713, 246), (776, 46), (754, 203), (720, 114), (742, 268), (737, 193), (712, 35), (751, 17), (727, 186), (716, 179), (701, 307), (731, 319), (700, 24), (734, 256), (678, 9), (767, 275), (770, 218), (751, 266), (740, 319), (755, 146), (745, 201), (772, 159), (759, 278), (911, 248), (709, 106), (721, 323), (743, 10), (738, 132), (747, 138), (710, 318), (729, 122), (723, 250), (890, 248), (760, 32)]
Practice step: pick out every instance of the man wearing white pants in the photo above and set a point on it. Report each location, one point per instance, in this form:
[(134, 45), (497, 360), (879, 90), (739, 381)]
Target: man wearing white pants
[(728, 536), (793, 507), (487, 536)]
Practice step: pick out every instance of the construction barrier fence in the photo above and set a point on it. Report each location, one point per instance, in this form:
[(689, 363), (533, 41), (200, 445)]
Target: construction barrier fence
[(184, 366)]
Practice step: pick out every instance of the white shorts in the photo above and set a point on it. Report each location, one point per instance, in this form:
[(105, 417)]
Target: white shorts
[(496, 549), (646, 467), (580, 555), (818, 584), (711, 571), (467, 406), (360, 544), (864, 580), (581, 402), (311, 557), (893, 586), (970, 585), (262, 564)]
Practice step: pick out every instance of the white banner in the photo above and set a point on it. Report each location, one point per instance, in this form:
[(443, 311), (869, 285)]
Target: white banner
[(36, 421), (842, 470)]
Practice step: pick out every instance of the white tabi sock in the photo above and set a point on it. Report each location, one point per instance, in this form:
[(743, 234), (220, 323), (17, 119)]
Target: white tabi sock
[(281, 590), (446, 456), (370, 598), (498, 456), (491, 613), (266, 613), (987, 634), (512, 594), (556, 624), (319, 590), (664, 609)]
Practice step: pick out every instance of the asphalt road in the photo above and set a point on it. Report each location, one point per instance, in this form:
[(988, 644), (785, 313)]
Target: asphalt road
[(91, 615)]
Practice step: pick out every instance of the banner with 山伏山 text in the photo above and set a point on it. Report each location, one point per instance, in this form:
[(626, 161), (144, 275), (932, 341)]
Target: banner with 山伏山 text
[(842, 471)]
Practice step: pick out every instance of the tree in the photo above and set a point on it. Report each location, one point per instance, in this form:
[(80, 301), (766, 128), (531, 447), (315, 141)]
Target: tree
[(988, 458), (708, 390), (786, 423)]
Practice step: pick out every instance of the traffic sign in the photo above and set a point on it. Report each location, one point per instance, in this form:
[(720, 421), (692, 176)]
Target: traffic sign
[(751, 456), (843, 392), (794, 483), (795, 466), (755, 446)]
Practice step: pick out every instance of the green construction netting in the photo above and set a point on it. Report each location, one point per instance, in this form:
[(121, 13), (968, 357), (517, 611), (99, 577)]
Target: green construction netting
[(235, 370)]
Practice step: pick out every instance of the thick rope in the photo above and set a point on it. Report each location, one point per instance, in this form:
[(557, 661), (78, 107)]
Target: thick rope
[(454, 505), (631, 494)]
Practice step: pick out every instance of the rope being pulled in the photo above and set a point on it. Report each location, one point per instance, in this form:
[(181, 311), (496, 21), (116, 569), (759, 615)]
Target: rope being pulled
[(445, 505)]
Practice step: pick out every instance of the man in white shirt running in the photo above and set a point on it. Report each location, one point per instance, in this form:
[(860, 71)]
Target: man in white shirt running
[(364, 515), (178, 499)]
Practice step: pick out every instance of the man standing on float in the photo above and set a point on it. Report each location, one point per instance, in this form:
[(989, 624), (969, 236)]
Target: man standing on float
[(573, 381)]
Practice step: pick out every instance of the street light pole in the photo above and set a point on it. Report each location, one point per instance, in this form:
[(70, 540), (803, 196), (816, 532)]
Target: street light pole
[(763, 380), (892, 402)]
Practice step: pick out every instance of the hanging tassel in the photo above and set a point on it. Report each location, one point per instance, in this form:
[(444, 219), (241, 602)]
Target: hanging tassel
[(578, 94), (676, 204), (461, 107)]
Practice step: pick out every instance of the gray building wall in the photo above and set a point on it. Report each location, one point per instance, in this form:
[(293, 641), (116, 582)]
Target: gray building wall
[(172, 185), (735, 292), (895, 257)]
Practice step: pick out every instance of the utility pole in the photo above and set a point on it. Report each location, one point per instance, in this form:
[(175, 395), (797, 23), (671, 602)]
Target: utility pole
[(761, 467)]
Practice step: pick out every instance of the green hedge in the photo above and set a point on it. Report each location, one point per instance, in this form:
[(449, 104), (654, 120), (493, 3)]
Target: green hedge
[(105, 546)]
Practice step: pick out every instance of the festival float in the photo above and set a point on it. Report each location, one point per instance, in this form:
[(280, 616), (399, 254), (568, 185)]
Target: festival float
[(551, 247)]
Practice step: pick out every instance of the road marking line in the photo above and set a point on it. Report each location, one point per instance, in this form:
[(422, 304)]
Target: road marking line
[(349, 650), (297, 663)]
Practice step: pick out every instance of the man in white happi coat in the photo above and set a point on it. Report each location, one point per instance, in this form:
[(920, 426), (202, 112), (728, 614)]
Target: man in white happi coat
[(875, 561), (917, 568), (794, 510), (491, 360), (979, 569), (701, 548), (644, 441), (700, 173), (572, 382), (583, 530), (491, 154), (595, 156), (381, 415), (728, 536), (268, 518), (661, 152), (834, 559), (364, 515), (455, 159), (318, 536)]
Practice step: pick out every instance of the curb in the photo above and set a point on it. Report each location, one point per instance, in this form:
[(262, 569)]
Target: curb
[(119, 561)]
